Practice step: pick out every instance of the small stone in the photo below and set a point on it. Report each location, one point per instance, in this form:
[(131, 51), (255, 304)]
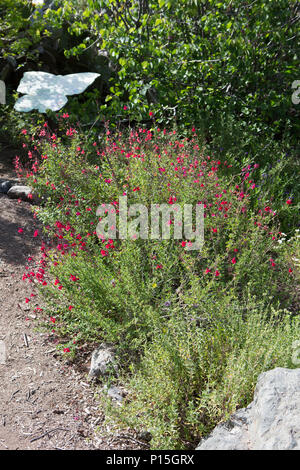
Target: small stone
[(103, 361), (24, 193), (20, 192), (114, 392)]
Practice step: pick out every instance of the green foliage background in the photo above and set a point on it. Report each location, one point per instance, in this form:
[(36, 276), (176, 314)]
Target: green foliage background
[(196, 61)]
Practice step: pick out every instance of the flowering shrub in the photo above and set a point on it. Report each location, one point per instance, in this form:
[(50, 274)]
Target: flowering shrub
[(155, 298)]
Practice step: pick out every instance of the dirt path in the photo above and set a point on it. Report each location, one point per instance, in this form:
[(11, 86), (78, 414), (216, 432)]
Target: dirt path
[(44, 403)]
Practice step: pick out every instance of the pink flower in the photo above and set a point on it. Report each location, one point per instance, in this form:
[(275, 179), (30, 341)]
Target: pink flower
[(66, 350)]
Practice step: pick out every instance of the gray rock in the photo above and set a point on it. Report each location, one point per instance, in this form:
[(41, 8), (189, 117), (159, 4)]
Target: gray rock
[(5, 186), (22, 192), (103, 361), (114, 392), (270, 422)]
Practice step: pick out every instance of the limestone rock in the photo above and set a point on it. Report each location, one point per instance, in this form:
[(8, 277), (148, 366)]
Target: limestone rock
[(22, 192), (103, 361), (270, 422)]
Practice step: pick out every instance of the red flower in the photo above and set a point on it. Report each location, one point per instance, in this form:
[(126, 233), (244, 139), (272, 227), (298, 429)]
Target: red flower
[(289, 201), (172, 199), (233, 260)]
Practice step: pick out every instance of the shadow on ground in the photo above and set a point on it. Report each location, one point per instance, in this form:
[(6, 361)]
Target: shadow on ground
[(15, 247), (7, 156)]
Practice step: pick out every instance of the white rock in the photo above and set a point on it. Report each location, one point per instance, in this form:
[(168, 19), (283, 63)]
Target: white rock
[(47, 91), (19, 192), (103, 361)]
